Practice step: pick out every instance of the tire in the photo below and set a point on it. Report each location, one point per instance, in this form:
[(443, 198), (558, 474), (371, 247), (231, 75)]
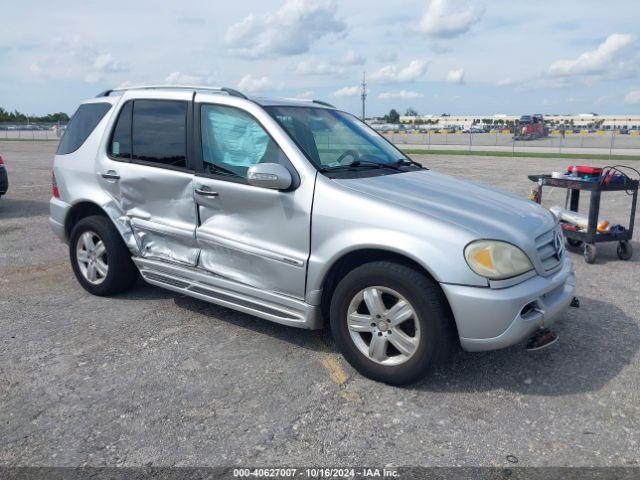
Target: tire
[(429, 328), (120, 274), (624, 250), (590, 253), (574, 243)]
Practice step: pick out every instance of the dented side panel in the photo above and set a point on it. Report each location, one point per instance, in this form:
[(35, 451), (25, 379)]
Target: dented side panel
[(161, 210), (256, 236)]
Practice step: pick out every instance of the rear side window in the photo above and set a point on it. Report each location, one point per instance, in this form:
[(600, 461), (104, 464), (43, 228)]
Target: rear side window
[(84, 121), (121, 139), (159, 132)]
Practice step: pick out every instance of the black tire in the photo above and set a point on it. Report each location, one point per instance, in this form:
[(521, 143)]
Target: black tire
[(624, 250), (590, 253), (574, 243), (122, 272), (429, 303)]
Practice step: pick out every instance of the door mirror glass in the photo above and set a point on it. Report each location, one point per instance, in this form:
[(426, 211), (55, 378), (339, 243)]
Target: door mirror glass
[(269, 175)]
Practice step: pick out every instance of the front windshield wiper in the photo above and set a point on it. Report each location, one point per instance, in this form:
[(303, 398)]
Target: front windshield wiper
[(408, 162), (361, 163)]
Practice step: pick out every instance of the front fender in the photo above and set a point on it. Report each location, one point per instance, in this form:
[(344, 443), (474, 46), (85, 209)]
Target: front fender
[(345, 221)]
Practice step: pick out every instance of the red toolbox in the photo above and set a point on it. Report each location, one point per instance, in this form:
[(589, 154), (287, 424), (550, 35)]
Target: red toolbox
[(583, 170)]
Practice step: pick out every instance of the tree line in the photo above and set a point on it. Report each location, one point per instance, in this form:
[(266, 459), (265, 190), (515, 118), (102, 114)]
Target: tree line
[(19, 117)]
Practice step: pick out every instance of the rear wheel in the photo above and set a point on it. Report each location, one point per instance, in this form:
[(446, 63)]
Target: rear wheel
[(391, 322), (99, 258)]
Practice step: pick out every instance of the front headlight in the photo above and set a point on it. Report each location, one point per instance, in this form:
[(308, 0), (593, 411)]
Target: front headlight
[(496, 260)]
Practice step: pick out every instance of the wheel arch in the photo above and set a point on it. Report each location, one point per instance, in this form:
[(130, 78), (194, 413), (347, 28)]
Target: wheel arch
[(79, 211), (85, 208), (355, 258)]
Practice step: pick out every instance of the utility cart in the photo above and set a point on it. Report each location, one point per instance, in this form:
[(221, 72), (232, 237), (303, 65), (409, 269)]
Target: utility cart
[(591, 236)]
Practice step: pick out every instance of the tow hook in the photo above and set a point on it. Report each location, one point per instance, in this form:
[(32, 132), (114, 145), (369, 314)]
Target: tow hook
[(541, 339)]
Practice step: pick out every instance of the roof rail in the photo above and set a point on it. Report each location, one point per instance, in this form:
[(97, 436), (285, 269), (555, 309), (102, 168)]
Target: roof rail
[(320, 102), (228, 91)]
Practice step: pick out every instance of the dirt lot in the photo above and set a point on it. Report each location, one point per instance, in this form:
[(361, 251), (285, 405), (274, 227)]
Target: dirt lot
[(155, 377)]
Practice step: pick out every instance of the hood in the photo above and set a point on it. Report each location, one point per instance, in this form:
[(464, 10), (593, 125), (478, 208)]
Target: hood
[(487, 212)]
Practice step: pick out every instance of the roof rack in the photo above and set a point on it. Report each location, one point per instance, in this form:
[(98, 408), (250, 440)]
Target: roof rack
[(320, 102), (228, 91)]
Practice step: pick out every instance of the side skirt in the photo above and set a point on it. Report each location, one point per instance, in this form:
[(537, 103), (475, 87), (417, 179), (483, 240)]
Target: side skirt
[(227, 293)]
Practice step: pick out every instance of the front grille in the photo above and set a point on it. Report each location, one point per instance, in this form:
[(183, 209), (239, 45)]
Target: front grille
[(550, 248)]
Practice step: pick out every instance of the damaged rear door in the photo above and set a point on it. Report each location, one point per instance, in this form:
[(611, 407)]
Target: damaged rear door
[(150, 175)]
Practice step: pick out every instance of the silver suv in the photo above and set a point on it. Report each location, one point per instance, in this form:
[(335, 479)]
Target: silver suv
[(296, 212)]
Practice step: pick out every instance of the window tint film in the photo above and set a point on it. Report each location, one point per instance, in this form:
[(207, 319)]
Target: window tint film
[(159, 132), (121, 139), (84, 121), (232, 141)]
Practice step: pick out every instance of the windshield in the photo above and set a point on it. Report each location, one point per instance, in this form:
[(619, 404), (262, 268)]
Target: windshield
[(333, 139)]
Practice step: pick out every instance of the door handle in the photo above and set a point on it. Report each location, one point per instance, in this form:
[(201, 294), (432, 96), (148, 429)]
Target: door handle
[(206, 193), (111, 175)]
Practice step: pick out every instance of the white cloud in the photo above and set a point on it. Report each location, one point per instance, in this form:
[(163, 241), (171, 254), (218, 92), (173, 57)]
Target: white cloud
[(505, 82), (633, 97), (105, 63), (456, 76), (251, 84), (352, 59), (308, 95), (392, 74), (448, 19), (347, 92), (401, 94), (597, 61), (291, 30), (75, 57), (179, 78), (313, 67)]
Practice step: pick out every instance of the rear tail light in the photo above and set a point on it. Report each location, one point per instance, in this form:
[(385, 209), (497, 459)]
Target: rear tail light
[(54, 186)]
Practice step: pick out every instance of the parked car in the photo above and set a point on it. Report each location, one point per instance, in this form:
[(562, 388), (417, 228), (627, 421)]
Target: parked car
[(298, 213), (4, 178)]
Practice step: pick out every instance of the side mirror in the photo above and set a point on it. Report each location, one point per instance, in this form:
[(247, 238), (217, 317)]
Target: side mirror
[(269, 175)]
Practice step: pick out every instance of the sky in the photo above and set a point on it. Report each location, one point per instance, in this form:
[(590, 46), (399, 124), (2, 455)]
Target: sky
[(435, 56)]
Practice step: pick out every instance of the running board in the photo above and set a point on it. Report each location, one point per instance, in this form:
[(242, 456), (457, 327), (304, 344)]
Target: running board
[(227, 293)]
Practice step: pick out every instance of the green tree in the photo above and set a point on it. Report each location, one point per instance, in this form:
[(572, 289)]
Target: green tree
[(392, 117), (410, 112)]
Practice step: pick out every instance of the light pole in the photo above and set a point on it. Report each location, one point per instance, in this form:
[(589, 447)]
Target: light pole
[(363, 95)]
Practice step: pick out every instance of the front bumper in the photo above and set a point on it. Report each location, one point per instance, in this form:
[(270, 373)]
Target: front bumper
[(489, 319), (4, 181)]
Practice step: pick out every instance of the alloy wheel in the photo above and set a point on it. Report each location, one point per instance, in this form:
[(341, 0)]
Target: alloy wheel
[(91, 255), (383, 325)]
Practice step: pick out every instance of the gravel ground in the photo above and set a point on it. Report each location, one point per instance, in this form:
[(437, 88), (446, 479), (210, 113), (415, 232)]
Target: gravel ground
[(152, 377)]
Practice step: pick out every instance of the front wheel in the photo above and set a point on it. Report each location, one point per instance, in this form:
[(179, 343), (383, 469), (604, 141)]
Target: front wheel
[(99, 258), (624, 250), (391, 322), (590, 253)]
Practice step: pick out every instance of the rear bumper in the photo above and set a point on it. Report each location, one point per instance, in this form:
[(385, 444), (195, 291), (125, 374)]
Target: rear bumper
[(489, 319), (4, 181), (57, 215)]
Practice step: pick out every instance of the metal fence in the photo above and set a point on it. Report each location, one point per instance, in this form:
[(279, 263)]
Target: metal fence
[(602, 141), (558, 141), (31, 131)]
